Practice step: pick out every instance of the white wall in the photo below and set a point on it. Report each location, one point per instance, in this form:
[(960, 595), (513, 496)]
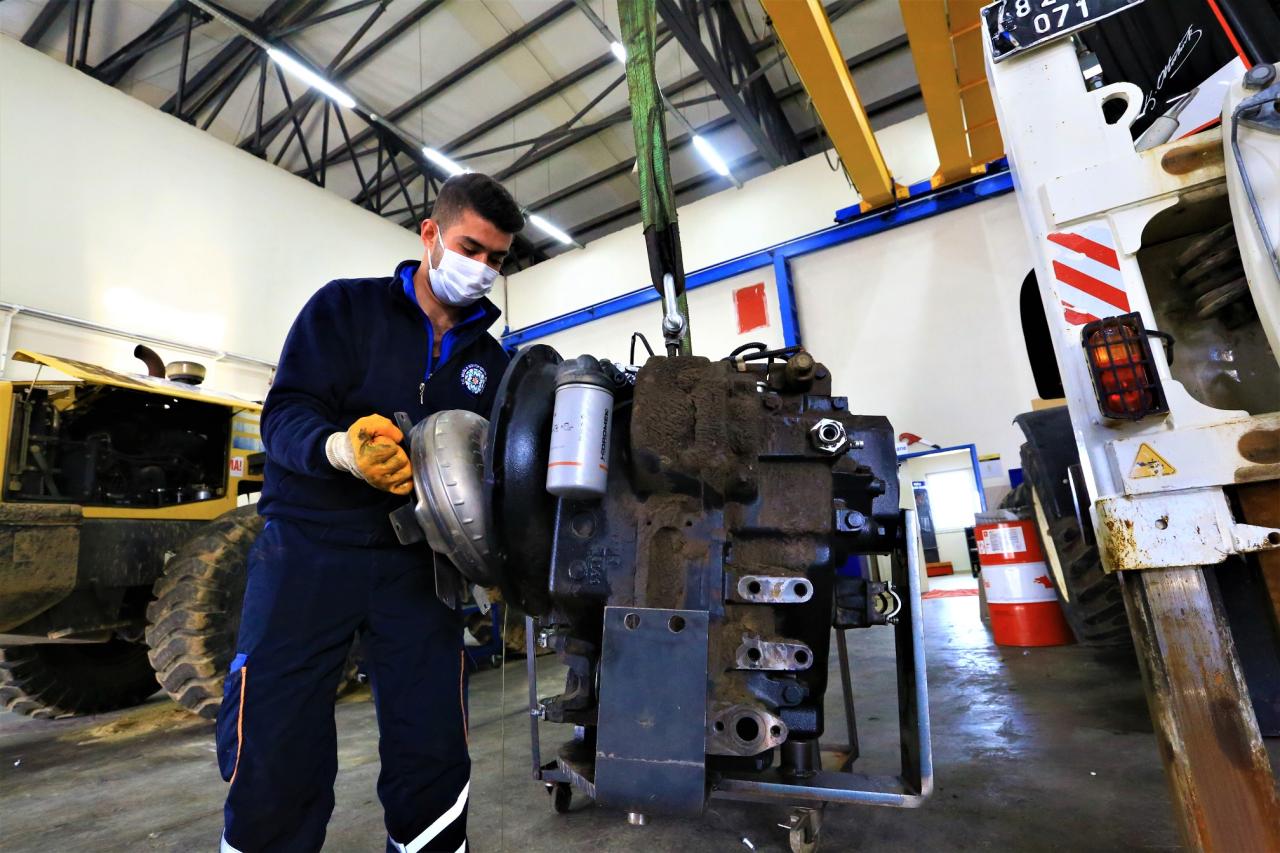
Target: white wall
[(919, 323), (115, 213), (770, 209)]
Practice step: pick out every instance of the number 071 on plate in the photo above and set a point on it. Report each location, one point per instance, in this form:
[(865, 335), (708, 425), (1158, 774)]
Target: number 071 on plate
[(1015, 26)]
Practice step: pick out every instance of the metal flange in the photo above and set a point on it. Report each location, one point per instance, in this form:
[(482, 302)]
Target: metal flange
[(447, 452)]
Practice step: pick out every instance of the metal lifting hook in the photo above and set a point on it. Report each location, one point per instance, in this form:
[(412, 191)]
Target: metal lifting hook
[(673, 321)]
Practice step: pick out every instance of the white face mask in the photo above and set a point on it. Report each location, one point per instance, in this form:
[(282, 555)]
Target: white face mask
[(459, 280)]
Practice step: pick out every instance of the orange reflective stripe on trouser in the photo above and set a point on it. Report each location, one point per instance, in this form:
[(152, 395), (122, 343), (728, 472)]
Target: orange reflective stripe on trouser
[(462, 699), (244, 677)]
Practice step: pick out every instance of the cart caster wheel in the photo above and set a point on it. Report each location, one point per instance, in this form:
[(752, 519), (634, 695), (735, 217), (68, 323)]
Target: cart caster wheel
[(561, 795), (495, 661), (806, 830)]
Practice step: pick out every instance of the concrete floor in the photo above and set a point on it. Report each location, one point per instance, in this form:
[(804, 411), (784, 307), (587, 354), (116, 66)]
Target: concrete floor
[(958, 580), (1047, 749)]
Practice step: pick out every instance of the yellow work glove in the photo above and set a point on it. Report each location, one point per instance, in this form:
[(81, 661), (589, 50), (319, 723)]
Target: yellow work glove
[(371, 450)]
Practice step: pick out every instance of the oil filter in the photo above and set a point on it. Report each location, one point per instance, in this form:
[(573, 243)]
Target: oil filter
[(578, 465)]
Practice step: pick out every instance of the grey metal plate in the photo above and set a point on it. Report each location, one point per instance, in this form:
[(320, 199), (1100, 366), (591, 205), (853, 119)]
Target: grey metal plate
[(915, 784), (651, 743)]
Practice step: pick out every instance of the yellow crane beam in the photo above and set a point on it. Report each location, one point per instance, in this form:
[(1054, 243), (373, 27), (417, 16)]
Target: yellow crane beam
[(967, 33), (805, 32), (930, 41), (946, 47)]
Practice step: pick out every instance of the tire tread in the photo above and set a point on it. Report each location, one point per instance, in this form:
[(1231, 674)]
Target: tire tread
[(194, 618), (1092, 603)]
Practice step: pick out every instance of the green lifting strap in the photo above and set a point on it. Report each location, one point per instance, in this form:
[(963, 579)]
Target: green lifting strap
[(639, 19), (639, 27)]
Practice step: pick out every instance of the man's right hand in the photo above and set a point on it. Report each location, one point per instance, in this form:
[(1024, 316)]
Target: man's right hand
[(371, 450)]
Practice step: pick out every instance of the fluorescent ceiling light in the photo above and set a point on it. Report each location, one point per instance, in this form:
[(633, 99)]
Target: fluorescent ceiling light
[(311, 78), (550, 229), (443, 162), (619, 51), (714, 160)]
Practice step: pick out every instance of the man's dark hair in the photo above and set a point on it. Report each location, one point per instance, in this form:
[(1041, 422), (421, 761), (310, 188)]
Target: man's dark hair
[(482, 194)]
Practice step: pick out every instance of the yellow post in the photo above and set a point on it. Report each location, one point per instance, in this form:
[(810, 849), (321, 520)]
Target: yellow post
[(805, 32)]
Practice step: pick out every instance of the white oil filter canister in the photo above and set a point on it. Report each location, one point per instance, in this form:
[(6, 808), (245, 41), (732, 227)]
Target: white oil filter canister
[(578, 465)]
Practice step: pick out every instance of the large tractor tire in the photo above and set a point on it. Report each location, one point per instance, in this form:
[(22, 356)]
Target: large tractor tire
[(193, 622), (1019, 497), (66, 679), (1091, 598)]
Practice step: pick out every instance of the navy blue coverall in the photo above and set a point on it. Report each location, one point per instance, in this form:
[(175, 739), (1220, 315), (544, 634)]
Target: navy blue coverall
[(328, 565)]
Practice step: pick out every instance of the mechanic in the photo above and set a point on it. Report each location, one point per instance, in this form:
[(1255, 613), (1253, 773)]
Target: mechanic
[(327, 564)]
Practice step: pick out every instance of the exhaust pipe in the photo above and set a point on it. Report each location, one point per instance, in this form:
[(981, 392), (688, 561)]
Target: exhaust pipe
[(149, 357)]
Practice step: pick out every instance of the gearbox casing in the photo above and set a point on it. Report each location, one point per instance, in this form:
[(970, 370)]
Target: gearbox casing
[(735, 492)]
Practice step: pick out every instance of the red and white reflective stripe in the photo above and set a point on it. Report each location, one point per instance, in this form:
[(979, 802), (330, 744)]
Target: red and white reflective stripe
[(1018, 583), (438, 826), (1087, 268)]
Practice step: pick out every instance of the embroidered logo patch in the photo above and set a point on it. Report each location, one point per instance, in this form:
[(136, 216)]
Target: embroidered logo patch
[(474, 378)]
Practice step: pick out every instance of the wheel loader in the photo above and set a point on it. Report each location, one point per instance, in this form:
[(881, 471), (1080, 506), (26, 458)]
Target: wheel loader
[(125, 525), (1152, 205)]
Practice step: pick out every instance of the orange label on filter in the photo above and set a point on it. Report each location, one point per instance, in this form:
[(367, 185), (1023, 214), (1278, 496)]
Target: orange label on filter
[(1148, 463)]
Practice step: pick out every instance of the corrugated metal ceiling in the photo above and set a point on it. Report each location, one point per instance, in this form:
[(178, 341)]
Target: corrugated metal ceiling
[(436, 61)]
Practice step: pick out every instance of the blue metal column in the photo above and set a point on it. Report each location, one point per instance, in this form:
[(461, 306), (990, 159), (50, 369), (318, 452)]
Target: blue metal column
[(786, 300)]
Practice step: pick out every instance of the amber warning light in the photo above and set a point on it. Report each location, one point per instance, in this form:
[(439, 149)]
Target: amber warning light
[(1124, 374)]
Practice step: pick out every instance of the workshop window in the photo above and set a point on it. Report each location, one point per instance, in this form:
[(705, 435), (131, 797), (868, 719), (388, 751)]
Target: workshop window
[(953, 498)]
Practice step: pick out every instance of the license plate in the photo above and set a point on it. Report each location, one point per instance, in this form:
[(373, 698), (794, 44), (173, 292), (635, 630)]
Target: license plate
[(1015, 26)]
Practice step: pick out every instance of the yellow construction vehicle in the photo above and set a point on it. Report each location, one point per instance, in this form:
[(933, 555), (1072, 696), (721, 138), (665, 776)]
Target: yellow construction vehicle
[(124, 529)]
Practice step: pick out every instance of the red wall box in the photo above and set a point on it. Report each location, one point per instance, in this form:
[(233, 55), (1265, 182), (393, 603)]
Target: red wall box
[(753, 309)]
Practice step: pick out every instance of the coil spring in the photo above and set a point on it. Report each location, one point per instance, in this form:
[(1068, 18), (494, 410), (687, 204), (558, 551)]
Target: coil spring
[(1210, 270)]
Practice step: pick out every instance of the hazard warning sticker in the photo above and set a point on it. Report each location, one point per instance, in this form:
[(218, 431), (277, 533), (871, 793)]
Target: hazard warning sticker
[(1148, 463), (1002, 540), (237, 466)]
